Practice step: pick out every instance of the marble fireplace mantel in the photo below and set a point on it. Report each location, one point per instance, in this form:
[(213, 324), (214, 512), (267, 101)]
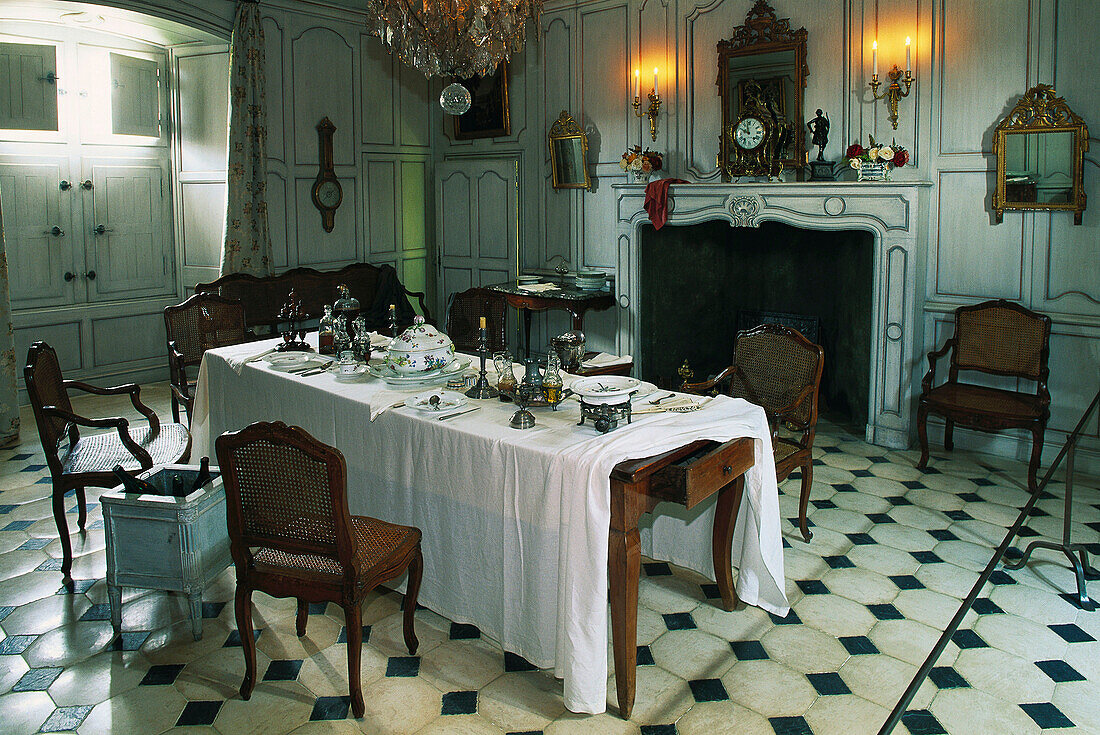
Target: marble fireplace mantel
[(891, 212)]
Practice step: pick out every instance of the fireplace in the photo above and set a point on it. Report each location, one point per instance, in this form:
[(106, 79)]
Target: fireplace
[(864, 235), (698, 283)]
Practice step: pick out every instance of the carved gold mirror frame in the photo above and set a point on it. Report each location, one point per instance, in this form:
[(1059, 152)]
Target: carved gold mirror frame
[(568, 154), (1040, 148), (763, 33)]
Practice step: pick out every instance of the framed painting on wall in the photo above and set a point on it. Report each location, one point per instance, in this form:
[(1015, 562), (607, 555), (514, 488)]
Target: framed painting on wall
[(488, 113)]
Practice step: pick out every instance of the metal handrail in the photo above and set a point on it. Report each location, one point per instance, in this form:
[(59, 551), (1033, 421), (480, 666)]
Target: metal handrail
[(922, 673)]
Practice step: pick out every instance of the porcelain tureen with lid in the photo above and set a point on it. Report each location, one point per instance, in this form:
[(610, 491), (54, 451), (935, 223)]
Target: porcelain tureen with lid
[(419, 349)]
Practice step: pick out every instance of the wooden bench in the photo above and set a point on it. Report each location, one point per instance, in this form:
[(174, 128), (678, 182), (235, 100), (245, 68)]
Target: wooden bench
[(376, 287)]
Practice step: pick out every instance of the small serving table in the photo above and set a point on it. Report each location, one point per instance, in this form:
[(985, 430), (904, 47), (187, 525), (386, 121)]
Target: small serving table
[(568, 298)]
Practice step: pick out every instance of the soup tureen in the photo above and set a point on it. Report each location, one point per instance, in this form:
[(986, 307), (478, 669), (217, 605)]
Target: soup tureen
[(419, 349)]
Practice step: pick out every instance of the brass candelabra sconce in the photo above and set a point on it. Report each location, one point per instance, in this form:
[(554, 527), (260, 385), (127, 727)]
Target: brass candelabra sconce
[(654, 104), (893, 92)]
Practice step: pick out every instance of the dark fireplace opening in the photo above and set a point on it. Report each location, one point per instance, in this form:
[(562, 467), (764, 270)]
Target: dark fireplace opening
[(697, 279)]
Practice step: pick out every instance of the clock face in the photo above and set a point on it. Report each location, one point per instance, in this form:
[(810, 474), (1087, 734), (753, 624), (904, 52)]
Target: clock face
[(749, 133), (329, 194)]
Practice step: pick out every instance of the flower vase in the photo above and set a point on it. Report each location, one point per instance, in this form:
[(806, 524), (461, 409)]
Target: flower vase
[(868, 171), (639, 177)]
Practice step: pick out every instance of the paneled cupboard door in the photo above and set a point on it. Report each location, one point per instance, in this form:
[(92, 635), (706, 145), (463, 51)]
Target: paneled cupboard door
[(128, 230), (28, 98), (39, 240)]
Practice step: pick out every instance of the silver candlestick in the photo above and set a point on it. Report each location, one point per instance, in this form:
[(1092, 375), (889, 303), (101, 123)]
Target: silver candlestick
[(481, 388)]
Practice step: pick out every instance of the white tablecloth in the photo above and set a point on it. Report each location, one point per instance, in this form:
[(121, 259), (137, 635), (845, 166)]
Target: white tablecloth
[(515, 522)]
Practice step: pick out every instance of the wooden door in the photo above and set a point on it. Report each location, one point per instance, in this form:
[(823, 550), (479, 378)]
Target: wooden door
[(28, 96), (39, 257), (477, 224), (128, 230)]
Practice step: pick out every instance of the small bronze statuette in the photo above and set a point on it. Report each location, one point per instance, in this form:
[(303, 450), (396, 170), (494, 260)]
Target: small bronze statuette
[(820, 169)]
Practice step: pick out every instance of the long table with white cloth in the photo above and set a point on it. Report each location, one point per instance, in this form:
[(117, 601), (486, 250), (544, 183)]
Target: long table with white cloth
[(515, 522)]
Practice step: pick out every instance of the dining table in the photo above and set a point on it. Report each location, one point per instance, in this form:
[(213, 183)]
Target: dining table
[(525, 531)]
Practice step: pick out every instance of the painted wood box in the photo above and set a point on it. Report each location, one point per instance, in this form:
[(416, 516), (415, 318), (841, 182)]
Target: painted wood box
[(163, 542)]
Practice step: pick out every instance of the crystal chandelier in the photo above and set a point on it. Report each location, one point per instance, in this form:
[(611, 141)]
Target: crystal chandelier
[(456, 38)]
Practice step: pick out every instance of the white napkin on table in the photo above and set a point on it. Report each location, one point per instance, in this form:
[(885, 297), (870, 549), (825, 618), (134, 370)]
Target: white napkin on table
[(604, 359), (538, 287)]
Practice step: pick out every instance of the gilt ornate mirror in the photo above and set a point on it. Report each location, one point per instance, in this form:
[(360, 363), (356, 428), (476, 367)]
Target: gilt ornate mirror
[(568, 154), (1040, 148), (767, 58)]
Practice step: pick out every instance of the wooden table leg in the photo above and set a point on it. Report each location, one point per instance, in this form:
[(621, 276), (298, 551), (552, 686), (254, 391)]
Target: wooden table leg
[(725, 518), (624, 557)]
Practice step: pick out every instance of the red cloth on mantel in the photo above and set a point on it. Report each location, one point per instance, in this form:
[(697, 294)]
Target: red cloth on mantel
[(656, 200)]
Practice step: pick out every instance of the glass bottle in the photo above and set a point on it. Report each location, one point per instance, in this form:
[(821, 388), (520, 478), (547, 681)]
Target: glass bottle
[(347, 307), (531, 376), (340, 338), (506, 377), (391, 322), (325, 332), (361, 340), (551, 380)]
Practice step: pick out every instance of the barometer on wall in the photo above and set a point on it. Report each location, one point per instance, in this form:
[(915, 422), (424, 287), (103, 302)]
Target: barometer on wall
[(326, 192)]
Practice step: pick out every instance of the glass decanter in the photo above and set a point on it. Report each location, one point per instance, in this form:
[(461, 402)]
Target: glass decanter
[(341, 340), (361, 340), (325, 332), (346, 307), (551, 380), (506, 377)]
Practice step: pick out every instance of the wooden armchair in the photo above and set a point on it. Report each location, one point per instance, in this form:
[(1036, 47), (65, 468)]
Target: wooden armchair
[(996, 338), (778, 369), (202, 322), (291, 535), (87, 460), (463, 318)]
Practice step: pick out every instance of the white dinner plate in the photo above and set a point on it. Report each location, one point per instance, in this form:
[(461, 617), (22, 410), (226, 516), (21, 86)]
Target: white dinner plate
[(360, 371), (449, 400), (284, 361), (392, 377)]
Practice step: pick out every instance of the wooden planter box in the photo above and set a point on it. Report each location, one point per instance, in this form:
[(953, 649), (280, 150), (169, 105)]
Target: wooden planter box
[(163, 542)]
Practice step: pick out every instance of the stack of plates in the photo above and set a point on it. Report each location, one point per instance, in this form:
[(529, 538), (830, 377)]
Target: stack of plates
[(527, 280), (591, 280), (379, 369)]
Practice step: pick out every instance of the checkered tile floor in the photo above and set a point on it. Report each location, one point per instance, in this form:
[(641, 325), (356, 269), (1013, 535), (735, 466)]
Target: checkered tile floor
[(894, 551)]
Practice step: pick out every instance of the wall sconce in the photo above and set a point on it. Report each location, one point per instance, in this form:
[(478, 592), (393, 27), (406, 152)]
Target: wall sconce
[(654, 103), (893, 93)]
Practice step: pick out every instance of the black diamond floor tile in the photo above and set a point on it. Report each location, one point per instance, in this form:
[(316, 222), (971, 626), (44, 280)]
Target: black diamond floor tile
[(1073, 599), (844, 487), (1059, 671), (1001, 577), (862, 473), (658, 729), (14, 645), (857, 645), (1046, 715), (748, 650), (710, 591), (464, 632), (967, 638), (1026, 532), (958, 515), (926, 557), (679, 621), (161, 674), (986, 606), (283, 670), (945, 677), (906, 582), (790, 726), (515, 662), (657, 569), (37, 680), (404, 666), (914, 484), (971, 498), (896, 500), (1070, 633), (98, 611), (791, 619), (330, 708), (79, 587), (66, 718), (839, 562), (644, 657), (212, 609), (199, 712), (860, 539), (708, 690), (812, 587), (459, 703), (885, 611), (821, 504), (234, 638), (942, 534), (18, 526), (922, 722), (877, 518), (828, 683), (50, 565), (129, 640), (343, 637), (317, 608)]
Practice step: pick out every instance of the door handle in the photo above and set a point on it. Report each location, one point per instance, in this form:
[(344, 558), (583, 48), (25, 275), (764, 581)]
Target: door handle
[(65, 185), (90, 275), (100, 229), (86, 185), (69, 275), (55, 231)]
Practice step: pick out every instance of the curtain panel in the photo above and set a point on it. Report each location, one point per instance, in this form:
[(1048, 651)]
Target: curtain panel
[(247, 239), (9, 404)]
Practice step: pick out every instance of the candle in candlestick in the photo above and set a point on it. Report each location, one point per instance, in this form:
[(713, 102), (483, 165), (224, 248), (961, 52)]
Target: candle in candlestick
[(874, 59), (655, 93), (908, 57), (637, 84), (481, 322)]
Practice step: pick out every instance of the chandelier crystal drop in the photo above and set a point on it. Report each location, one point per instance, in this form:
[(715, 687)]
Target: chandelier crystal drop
[(455, 38)]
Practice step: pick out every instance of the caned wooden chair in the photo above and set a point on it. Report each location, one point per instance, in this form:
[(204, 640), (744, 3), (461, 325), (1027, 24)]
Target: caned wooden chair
[(291, 535), (202, 322), (77, 461), (463, 318), (778, 369), (998, 338)]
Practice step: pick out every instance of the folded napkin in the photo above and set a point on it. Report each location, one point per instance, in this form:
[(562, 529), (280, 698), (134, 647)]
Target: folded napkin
[(538, 287), (237, 356), (604, 359), (379, 340)]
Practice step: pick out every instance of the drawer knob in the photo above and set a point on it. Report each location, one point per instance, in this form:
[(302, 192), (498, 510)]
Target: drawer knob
[(727, 470)]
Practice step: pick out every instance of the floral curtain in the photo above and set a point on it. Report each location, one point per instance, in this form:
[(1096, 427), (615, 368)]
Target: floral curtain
[(247, 240), (9, 405)]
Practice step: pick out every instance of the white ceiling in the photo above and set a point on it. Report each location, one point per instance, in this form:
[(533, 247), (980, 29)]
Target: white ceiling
[(103, 19)]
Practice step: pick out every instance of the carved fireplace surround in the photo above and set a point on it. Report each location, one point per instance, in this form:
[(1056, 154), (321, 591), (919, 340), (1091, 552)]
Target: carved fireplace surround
[(891, 212)]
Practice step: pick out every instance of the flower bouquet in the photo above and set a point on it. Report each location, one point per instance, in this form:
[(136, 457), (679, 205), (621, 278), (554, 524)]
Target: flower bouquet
[(640, 164), (873, 163)]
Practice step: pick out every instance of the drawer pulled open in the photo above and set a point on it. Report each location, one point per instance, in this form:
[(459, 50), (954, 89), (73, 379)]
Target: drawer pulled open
[(705, 471)]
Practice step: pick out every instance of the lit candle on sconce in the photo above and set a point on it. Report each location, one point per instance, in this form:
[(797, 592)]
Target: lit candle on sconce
[(637, 83), (894, 91), (908, 57), (874, 58), (655, 92), (653, 108)]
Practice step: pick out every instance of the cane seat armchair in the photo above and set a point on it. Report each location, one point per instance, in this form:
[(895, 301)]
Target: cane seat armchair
[(202, 322), (778, 369), (291, 535), (998, 338), (463, 318), (78, 460)]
